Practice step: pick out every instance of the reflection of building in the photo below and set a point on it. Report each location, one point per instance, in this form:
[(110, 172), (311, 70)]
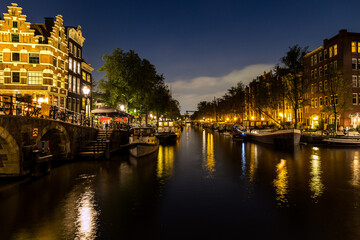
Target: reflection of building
[(33, 58), (341, 52)]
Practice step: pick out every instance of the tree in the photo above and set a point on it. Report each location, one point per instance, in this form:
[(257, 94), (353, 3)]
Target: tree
[(338, 90), (296, 84)]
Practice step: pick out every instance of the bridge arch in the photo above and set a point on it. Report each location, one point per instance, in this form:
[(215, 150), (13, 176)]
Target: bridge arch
[(59, 140), (9, 154)]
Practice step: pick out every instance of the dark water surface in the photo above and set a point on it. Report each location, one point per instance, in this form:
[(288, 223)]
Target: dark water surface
[(204, 187)]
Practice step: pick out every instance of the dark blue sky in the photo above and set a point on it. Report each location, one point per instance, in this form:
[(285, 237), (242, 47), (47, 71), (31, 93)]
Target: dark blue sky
[(191, 40)]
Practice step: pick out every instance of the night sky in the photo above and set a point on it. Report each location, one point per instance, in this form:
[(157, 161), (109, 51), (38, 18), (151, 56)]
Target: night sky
[(202, 47)]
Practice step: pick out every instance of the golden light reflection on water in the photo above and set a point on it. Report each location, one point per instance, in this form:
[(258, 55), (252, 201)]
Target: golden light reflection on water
[(316, 185), (86, 222), (208, 154), (253, 162), (165, 162), (356, 170), (281, 183)]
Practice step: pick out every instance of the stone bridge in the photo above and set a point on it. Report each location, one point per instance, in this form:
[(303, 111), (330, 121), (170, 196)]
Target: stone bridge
[(18, 139)]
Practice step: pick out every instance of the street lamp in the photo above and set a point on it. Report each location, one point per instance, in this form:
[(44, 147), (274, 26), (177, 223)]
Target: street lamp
[(86, 92), (122, 107)]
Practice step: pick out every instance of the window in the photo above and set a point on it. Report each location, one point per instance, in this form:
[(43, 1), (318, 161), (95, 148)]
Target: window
[(71, 47), (315, 74), (34, 58), (326, 101), (353, 47), (79, 68), (353, 64), (74, 67), (70, 63), (335, 50), (321, 86), (320, 72), (35, 78), (320, 57), (321, 102), (358, 62), (62, 64), (15, 56), (354, 80), (75, 51), (325, 69), (15, 24), (54, 80), (55, 61), (358, 47), (312, 88), (1, 57), (15, 37), (62, 83), (312, 103), (312, 74), (355, 95), (74, 84), (316, 102), (78, 86), (325, 85), (89, 78), (15, 76), (325, 54), (315, 59), (84, 76), (330, 52), (1, 77), (70, 83), (312, 60), (83, 103), (79, 53), (335, 65)]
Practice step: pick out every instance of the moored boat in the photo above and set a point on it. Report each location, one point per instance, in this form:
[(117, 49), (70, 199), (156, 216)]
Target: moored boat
[(343, 142), (143, 142), (281, 138), (168, 131)]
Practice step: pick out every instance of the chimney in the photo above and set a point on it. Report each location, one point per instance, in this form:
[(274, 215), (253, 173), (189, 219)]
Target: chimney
[(49, 22)]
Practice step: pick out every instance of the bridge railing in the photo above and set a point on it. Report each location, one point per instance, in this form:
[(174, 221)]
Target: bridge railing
[(30, 109)]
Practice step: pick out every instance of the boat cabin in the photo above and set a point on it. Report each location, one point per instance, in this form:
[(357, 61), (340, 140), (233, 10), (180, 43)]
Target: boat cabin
[(143, 131)]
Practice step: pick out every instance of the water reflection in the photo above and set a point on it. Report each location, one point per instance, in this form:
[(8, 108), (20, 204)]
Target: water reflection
[(356, 170), (208, 154), (86, 222), (316, 185), (253, 161), (165, 163), (281, 183), (81, 215)]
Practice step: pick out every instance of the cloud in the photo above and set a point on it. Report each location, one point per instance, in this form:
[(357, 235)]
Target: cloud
[(189, 92)]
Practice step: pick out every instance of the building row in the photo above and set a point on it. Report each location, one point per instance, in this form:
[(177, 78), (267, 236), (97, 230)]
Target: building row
[(340, 53), (43, 63)]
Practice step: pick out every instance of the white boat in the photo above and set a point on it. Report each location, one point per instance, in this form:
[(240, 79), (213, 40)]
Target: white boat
[(355, 142), (143, 142), (282, 138)]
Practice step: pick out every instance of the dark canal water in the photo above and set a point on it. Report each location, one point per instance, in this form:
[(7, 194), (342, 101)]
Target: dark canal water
[(204, 187)]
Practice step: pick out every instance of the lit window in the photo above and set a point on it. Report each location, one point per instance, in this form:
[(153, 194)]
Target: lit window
[(15, 77), (15, 24), (353, 47), (35, 78), (330, 52), (83, 103), (15, 37), (354, 81), (358, 44), (62, 83), (74, 67), (335, 50), (70, 63), (54, 80), (355, 98), (70, 83), (34, 58), (79, 67), (84, 76), (89, 78), (78, 86), (74, 84), (1, 77)]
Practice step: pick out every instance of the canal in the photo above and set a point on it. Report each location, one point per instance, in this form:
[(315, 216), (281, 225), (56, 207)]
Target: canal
[(204, 187)]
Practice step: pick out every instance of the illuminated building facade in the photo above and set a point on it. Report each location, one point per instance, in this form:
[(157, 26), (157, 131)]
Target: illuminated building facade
[(33, 58), (341, 53), (79, 73)]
